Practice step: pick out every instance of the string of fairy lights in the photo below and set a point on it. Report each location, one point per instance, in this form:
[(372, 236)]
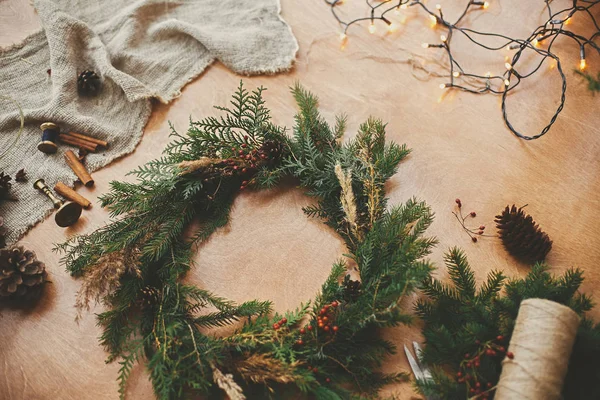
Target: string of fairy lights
[(540, 42)]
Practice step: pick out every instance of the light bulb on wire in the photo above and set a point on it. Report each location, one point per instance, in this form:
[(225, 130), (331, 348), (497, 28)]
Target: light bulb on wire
[(372, 28)]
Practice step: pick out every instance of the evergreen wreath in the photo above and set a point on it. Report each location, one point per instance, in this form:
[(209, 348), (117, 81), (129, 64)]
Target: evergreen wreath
[(467, 329), (329, 347)]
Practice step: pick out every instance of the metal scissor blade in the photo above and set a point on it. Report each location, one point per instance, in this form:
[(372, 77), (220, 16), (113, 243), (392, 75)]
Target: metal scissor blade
[(414, 365), (424, 370)]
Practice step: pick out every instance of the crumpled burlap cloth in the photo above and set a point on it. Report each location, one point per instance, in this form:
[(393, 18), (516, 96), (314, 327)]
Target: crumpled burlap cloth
[(142, 49)]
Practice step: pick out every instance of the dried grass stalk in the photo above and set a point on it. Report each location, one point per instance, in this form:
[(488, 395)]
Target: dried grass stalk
[(104, 277), (227, 384), (260, 368), (347, 196), (187, 167)]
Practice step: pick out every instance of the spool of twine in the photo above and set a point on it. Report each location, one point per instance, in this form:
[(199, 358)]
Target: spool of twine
[(541, 342)]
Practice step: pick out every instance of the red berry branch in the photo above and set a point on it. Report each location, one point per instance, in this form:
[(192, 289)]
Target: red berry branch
[(323, 323), (472, 232), (469, 367)]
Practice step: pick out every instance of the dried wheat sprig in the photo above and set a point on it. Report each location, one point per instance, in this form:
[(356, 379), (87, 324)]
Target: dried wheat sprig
[(261, 368), (347, 197), (227, 384), (187, 167)]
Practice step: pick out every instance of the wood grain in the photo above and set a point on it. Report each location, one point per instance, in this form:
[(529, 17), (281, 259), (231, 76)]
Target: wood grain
[(272, 251)]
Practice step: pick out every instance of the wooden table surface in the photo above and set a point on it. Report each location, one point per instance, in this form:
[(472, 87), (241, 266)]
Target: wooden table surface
[(461, 148)]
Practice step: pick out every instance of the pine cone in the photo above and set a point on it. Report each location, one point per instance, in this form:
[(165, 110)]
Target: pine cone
[(22, 276), (521, 236), (21, 176), (149, 296), (88, 83), (352, 289), (271, 151), (5, 186), (2, 233)]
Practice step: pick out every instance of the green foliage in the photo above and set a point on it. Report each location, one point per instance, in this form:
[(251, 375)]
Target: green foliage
[(316, 150), (328, 347), (593, 83), (461, 319)]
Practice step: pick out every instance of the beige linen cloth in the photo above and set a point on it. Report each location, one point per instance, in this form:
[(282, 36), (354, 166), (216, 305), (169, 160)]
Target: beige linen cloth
[(142, 49)]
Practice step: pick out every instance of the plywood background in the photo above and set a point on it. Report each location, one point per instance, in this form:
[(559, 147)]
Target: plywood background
[(271, 251)]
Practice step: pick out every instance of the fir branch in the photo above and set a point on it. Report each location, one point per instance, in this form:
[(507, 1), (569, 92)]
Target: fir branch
[(457, 322)]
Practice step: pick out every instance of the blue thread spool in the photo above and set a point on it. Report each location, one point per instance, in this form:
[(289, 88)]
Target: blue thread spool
[(50, 133)]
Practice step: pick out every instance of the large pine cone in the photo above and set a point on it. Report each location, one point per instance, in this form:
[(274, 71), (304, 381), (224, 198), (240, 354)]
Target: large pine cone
[(22, 276), (521, 236)]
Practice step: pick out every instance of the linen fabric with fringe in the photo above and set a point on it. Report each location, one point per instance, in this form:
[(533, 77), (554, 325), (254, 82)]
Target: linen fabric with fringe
[(142, 50)]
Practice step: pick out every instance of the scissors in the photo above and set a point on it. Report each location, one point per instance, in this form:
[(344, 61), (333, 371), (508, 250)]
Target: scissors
[(422, 373)]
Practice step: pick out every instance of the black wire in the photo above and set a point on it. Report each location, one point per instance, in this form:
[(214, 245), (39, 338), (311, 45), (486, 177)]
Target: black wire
[(547, 32)]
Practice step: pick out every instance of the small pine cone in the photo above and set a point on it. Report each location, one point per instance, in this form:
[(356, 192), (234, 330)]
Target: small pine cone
[(150, 295), (88, 83), (5, 186), (521, 236), (22, 276), (352, 289), (2, 233), (21, 176), (272, 151)]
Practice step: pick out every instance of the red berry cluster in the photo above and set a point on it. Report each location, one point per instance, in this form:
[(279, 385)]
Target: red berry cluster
[(315, 370), (324, 322), (280, 323), (245, 160), (472, 232), (325, 319), (468, 373)]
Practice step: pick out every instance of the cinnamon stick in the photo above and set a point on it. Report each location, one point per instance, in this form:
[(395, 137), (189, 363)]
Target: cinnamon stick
[(77, 142), (72, 195), (77, 167), (89, 139)]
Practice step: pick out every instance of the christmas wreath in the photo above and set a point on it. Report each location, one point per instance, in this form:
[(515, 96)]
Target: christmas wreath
[(328, 347)]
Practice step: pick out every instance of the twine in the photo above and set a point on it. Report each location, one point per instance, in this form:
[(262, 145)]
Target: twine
[(22, 120), (541, 342)]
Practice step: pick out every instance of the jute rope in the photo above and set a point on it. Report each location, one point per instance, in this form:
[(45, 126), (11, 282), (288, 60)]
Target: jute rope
[(542, 342)]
